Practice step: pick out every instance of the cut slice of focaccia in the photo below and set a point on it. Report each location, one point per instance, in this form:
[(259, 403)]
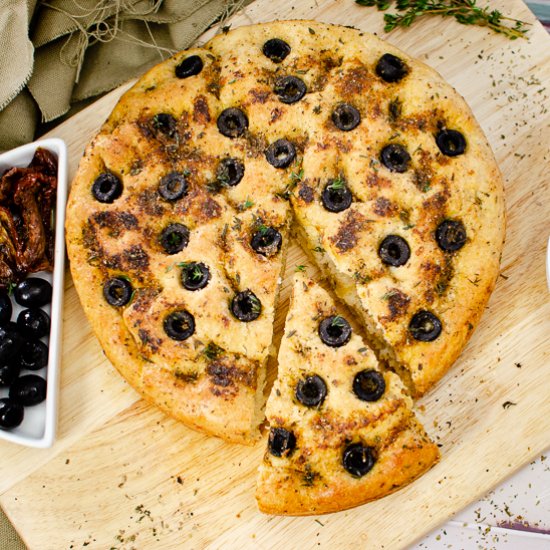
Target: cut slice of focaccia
[(342, 432)]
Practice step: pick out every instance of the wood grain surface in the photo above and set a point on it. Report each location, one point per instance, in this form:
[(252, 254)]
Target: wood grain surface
[(122, 475)]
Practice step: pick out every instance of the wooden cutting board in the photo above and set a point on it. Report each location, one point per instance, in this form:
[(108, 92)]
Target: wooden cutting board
[(122, 475)]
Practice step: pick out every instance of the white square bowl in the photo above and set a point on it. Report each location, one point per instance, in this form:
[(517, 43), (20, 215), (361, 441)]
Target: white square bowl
[(39, 425)]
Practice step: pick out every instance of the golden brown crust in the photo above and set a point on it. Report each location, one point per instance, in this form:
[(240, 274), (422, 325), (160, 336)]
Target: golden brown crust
[(311, 479)]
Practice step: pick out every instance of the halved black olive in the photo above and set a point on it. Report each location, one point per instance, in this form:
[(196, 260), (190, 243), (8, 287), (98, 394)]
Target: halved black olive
[(190, 66), (369, 385), (107, 188), (34, 355), (391, 68), (29, 390), (33, 292), (11, 342), (164, 124), (281, 442), (232, 122), (194, 276), (425, 326), (6, 309), (451, 142), (346, 117), (450, 235), (394, 251), (266, 241), (34, 322), (174, 238), (276, 49), (395, 158), (11, 413), (173, 186), (290, 89), (335, 331), (230, 171), (280, 153), (117, 291), (9, 373), (336, 196), (311, 391), (179, 325), (358, 459), (246, 306)]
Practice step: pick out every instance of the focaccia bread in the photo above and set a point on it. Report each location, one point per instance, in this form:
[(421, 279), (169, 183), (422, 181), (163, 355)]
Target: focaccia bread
[(342, 430), (178, 218)]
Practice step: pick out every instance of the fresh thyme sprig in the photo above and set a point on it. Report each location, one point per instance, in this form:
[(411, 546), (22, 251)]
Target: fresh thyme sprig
[(464, 11)]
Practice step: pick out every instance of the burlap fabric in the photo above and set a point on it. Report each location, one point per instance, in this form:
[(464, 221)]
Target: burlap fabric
[(55, 55)]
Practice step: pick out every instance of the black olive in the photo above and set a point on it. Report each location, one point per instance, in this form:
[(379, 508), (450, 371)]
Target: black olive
[(29, 390), (346, 117), (369, 385), (117, 291), (450, 235), (33, 292), (164, 124), (290, 89), (395, 158), (394, 251), (230, 171), (232, 122), (336, 196), (34, 355), (9, 373), (311, 391), (246, 306), (34, 322), (390, 68), (11, 413), (190, 66), (174, 238), (335, 331), (6, 309), (280, 153), (266, 241), (10, 343), (451, 142), (276, 49), (358, 459), (179, 325), (194, 276), (425, 326), (281, 442), (107, 188), (173, 186)]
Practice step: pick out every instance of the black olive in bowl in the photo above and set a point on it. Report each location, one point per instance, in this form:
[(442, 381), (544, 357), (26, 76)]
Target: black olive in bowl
[(11, 413), (6, 308), (29, 390), (33, 292), (33, 355), (9, 373), (34, 322)]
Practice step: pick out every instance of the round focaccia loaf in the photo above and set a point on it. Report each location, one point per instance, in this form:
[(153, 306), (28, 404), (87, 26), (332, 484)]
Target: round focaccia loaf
[(320, 409), (297, 106)]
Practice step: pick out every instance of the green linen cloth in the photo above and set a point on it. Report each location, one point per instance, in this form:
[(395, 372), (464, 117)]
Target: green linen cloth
[(55, 55)]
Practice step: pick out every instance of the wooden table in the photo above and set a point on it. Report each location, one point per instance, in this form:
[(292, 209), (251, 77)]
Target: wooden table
[(122, 475)]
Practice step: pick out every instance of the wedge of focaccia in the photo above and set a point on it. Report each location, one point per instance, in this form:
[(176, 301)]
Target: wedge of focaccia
[(342, 431)]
